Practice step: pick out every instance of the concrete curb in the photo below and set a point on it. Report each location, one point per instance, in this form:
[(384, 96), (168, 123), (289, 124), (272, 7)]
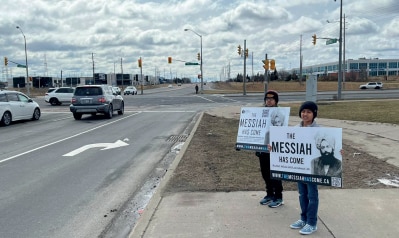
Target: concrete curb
[(143, 222)]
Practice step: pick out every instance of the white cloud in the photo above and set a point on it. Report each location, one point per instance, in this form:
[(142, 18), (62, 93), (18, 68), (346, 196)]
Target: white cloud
[(69, 31)]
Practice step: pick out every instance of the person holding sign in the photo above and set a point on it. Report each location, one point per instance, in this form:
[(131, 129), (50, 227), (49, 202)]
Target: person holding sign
[(308, 192), (274, 188)]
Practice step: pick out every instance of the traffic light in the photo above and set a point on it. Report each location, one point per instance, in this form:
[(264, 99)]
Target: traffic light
[(199, 56), (169, 60), (272, 64), (140, 63), (314, 39), (246, 53), (266, 64), (5, 61), (239, 50)]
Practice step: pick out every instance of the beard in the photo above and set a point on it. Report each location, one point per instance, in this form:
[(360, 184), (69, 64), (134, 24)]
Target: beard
[(327, 158)]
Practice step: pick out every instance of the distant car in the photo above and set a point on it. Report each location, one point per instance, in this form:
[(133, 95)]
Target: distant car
[(170, 86), (59, 96), (16, 106), (93, 99), (371, 85), (117, 90), (130, 90), (179, 84)]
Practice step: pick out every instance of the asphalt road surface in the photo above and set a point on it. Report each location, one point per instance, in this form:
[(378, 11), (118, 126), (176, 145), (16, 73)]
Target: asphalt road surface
[(91, 178)]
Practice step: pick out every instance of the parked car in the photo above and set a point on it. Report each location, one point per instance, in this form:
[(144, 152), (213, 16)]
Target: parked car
[(59, 96), (130, 90), (16, 106), (93, 99), (170, 86), (371, 85)]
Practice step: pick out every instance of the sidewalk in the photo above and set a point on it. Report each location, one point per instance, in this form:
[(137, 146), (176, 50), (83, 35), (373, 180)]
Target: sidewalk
[(342, 212)]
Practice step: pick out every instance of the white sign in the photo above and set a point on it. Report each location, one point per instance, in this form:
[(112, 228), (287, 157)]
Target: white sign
[(254, 125), (307, 154)]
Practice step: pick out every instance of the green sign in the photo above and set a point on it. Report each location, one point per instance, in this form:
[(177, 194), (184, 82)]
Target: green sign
[(190, 63), (21, 66), (331, 41)]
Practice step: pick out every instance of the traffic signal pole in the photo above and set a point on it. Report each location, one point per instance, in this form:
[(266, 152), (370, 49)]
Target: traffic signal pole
[(245, 67)]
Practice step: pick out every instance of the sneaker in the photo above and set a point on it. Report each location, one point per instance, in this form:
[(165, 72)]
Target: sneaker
[(298, 224), (276, 203), (308, 229), (266, 200)]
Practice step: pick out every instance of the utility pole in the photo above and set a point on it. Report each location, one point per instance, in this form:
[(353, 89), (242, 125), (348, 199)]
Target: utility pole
[(92, 59), (245, 67), (300, 60), (122, 73), (265, 76), (340, 55)]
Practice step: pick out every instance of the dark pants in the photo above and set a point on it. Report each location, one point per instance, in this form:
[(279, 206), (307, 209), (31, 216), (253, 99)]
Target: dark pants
[(274, 188)]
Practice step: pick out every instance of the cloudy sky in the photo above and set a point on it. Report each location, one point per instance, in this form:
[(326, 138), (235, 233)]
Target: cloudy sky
[(69, 35)]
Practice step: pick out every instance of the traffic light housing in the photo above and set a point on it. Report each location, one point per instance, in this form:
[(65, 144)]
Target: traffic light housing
[(169, 60), (199, 56), (239, 50), (266, 64), (246, 52), (5, 61), (314, 39), (272, 64), (140, 63)]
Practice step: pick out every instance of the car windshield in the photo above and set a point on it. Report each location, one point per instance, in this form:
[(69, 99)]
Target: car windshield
[(88, 91)]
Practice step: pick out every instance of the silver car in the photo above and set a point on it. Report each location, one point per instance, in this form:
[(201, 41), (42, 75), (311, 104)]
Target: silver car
[(93, 99), (16, 106)]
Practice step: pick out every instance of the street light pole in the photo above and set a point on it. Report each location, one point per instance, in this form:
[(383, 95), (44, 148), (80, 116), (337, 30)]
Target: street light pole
[(340, 54), (202, 73), (26, 62)]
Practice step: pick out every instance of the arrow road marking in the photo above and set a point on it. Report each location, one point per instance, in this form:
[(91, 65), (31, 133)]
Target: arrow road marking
[(106, 146)]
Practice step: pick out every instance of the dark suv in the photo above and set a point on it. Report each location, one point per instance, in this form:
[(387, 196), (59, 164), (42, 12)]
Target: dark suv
[(93, 99)]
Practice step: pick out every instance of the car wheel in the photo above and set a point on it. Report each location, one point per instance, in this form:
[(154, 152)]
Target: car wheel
[(122, 109), (6, 119), (363, 88), (36, 114), (54, 102), (110, 112), (377, 87), (77, 116)]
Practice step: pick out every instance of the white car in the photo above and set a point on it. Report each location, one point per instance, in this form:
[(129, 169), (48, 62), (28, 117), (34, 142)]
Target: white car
[(117, 90), (59, 96), (371, 85), (130, 90), (16, 106)]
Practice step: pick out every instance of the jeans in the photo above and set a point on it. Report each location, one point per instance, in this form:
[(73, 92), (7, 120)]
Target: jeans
[(309, 202), (274, 187)]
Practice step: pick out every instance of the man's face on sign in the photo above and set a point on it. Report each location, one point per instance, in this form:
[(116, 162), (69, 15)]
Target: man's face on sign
[(278, 121), (325, 148)]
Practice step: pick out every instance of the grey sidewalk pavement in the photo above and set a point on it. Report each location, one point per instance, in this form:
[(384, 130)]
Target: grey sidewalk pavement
[(342, 212)]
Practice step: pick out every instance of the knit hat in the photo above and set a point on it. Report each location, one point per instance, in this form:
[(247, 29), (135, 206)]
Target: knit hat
[(309, 105), (271, 94)]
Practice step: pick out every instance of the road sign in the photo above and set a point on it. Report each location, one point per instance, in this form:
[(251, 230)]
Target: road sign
[(331, 41), (21, 66), (190, 63)]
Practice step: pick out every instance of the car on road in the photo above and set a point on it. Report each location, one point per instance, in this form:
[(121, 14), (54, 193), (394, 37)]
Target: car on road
[(16, 106), (59, 96), (179, 84), (170, 86), (130, 90), (117, 90), (371, 85), (93, 99)]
